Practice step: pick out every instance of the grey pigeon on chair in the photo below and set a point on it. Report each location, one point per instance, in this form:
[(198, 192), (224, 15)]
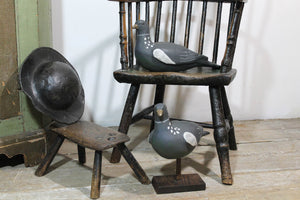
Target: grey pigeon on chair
[(173, 139), (165, 56)]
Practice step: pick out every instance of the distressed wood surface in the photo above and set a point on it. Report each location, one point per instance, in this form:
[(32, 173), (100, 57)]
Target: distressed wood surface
[(92, 136), (266, 166), (190, 77), (29, 144)]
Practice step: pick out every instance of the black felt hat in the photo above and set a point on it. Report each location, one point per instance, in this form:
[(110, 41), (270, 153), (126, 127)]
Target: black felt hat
[(53, 85)]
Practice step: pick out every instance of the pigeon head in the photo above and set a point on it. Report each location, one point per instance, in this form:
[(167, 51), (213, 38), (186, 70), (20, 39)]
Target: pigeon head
[(142, 27), (160, 112)]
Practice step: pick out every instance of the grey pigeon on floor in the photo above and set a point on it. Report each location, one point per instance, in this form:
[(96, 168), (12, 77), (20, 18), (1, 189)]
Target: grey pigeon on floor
[(173, 139), (165, 56)]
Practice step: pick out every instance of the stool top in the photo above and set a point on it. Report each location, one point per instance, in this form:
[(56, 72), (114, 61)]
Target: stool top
[(90, 135)]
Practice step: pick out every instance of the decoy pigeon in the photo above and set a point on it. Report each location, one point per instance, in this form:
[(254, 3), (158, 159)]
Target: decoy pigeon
[(165, 56), (173, 139)]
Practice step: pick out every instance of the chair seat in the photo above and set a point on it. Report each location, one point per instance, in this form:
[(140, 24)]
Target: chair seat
[(92, 136), (196, 76)]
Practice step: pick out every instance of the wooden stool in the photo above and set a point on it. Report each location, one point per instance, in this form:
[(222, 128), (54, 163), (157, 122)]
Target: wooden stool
[(98, 138)]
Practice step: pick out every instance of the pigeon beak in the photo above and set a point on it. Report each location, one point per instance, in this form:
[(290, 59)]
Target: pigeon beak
[(135, 26), (160, 113)]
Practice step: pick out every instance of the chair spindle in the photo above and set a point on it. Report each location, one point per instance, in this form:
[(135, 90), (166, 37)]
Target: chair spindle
[(173, 23), (158, 19), (202, 27), (130, 40), (217, 32), (123, 36), (147, 12), (138, 11), (188, 23)]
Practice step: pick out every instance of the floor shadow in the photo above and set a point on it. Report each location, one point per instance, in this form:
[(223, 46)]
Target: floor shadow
[(58, 164), (69, 175), (202, 168), (134, 142)]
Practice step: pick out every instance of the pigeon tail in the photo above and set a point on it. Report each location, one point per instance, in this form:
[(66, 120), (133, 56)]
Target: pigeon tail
[(206, 63), (204, 133)]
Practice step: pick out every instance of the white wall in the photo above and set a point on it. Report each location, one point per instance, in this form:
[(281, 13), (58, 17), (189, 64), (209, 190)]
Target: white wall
[(266, 86)]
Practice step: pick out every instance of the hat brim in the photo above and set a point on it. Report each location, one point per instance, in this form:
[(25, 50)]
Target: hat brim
[(31, 64)]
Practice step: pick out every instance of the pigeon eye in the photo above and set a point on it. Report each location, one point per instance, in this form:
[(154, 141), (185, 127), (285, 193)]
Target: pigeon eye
[(159, 112)]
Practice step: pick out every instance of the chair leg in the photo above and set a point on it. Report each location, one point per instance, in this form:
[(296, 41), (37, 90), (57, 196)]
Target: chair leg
[(81, 154), (96, 177), (126, 118), (220, 134), (228, 116), (49, 156), (159, 98), (135, 166)]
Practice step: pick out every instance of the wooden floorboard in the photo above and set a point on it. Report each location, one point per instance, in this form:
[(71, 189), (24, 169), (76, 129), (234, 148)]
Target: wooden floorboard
[(265, 166)]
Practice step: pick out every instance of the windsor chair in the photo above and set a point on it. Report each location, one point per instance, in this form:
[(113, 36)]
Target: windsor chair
[(131, 73)]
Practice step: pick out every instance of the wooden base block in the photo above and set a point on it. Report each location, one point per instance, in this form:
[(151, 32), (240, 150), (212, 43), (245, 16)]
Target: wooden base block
[(172, 184)]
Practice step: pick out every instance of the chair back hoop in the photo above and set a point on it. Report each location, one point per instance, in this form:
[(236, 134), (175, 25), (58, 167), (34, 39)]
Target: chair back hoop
[(193, 19)]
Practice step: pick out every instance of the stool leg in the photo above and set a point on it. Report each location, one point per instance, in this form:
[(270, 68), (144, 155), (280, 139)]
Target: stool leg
[(96, 177), (138, 170), (49, 156), (220, 134), (81, 154), (126, 118)]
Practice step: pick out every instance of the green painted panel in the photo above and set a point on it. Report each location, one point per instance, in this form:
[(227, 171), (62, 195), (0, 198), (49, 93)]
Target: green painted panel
[(45, 23), (27, 41), (27, 27), (11, 126), (31, 28), (32, 118), (33, 24)]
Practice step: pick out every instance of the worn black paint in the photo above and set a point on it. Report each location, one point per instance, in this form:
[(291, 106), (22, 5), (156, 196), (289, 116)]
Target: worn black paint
[(53, 85)]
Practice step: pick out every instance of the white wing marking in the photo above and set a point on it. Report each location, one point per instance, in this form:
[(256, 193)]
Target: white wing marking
[(190, 138), (162, 56)]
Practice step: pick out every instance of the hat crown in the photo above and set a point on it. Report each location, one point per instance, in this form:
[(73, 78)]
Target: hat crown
[(57, 85)]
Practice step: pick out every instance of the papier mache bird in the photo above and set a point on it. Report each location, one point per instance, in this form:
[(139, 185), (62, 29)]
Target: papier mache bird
[(173, 139), (165, 56)]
